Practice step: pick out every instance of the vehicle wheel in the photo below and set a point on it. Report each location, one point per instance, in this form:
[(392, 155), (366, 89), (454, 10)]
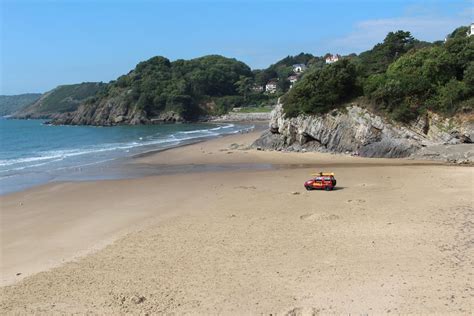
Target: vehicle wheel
[(308, 188), (327, 188)]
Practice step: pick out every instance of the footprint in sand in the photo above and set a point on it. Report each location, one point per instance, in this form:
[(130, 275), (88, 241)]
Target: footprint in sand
[(320, 217), (356, 201), (305, 216), (245, 187)]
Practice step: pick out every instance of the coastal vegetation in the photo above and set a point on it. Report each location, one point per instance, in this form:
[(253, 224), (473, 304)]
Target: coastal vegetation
[(62, 99), (281, 70), (186, 87), (402, 77)]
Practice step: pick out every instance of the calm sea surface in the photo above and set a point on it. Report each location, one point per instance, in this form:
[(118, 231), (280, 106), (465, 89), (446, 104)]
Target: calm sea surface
[(32, 153)]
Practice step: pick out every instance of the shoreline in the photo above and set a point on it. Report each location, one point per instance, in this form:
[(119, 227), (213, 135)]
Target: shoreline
[(78, 233), (114, 166), (156, 164)]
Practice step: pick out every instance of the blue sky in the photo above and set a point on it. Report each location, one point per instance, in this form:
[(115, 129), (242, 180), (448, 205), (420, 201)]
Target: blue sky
[(47, 43)]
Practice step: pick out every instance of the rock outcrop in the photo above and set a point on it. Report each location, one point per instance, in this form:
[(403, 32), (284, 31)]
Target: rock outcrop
[(353, 129), (113, 111)]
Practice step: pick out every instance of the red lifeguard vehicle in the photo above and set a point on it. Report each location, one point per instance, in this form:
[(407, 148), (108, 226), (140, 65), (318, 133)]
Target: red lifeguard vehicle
[(322, 181)]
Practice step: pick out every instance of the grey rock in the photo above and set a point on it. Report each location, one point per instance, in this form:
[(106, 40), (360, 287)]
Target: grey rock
[(354, 129)]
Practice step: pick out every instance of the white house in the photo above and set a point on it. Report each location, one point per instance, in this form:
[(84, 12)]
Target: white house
[(299, 68), (292, 79), (332, 58), (470, 32), (271, 87)]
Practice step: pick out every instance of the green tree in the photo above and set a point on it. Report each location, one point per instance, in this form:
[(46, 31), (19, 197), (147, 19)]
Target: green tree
[(244, 86), (382, 55), (322, 89)]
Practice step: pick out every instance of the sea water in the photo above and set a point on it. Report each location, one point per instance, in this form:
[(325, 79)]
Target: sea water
[(32, 153)]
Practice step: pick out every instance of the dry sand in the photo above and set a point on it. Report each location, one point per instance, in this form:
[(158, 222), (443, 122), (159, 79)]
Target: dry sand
[(396, 237)]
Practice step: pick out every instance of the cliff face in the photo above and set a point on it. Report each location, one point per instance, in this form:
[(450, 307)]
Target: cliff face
[(110, 111), (114, 111), (354, 129)]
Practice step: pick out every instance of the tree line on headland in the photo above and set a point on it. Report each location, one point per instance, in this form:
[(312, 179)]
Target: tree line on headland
[(402, 77)]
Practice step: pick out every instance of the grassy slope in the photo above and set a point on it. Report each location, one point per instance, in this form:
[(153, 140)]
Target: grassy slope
[(67, 98), (62, 99)]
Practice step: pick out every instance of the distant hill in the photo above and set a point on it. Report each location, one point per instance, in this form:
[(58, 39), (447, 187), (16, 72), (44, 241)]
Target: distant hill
[(9, 104), (159, 90), (62, 99)]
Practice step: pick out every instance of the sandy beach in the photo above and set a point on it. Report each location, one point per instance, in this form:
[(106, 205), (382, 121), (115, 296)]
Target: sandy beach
[(242, 236)]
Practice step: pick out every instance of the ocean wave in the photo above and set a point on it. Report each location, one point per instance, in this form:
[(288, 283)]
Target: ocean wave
[(47, 157), (208, 130)]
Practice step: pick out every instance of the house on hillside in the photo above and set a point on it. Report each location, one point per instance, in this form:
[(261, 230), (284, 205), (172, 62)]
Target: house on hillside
[(299, 68), (469, 33), (332, 58), (292, 79), (271, 86), (257, 88)]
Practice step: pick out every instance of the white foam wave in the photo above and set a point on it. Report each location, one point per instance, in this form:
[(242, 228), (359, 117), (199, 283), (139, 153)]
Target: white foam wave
[(59, 155)]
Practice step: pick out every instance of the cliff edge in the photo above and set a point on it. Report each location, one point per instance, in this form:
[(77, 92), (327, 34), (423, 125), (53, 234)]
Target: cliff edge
[(354, 129)]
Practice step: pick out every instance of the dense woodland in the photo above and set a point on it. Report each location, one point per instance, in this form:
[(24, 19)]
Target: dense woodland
[(401, 76), (187, 87)]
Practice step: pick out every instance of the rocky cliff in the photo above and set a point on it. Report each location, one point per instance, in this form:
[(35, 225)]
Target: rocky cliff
[(111, 111), (354, 129)]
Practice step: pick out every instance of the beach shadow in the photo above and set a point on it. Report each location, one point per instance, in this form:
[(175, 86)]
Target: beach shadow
[(334, 189)]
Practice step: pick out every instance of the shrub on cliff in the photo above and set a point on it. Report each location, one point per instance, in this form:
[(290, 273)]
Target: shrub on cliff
[(436, 78), (394, 45)]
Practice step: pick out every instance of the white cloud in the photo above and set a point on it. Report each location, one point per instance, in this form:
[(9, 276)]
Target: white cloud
[(367, 33)]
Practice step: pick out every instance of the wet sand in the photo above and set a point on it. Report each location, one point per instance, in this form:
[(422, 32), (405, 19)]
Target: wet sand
[(395, 237)]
